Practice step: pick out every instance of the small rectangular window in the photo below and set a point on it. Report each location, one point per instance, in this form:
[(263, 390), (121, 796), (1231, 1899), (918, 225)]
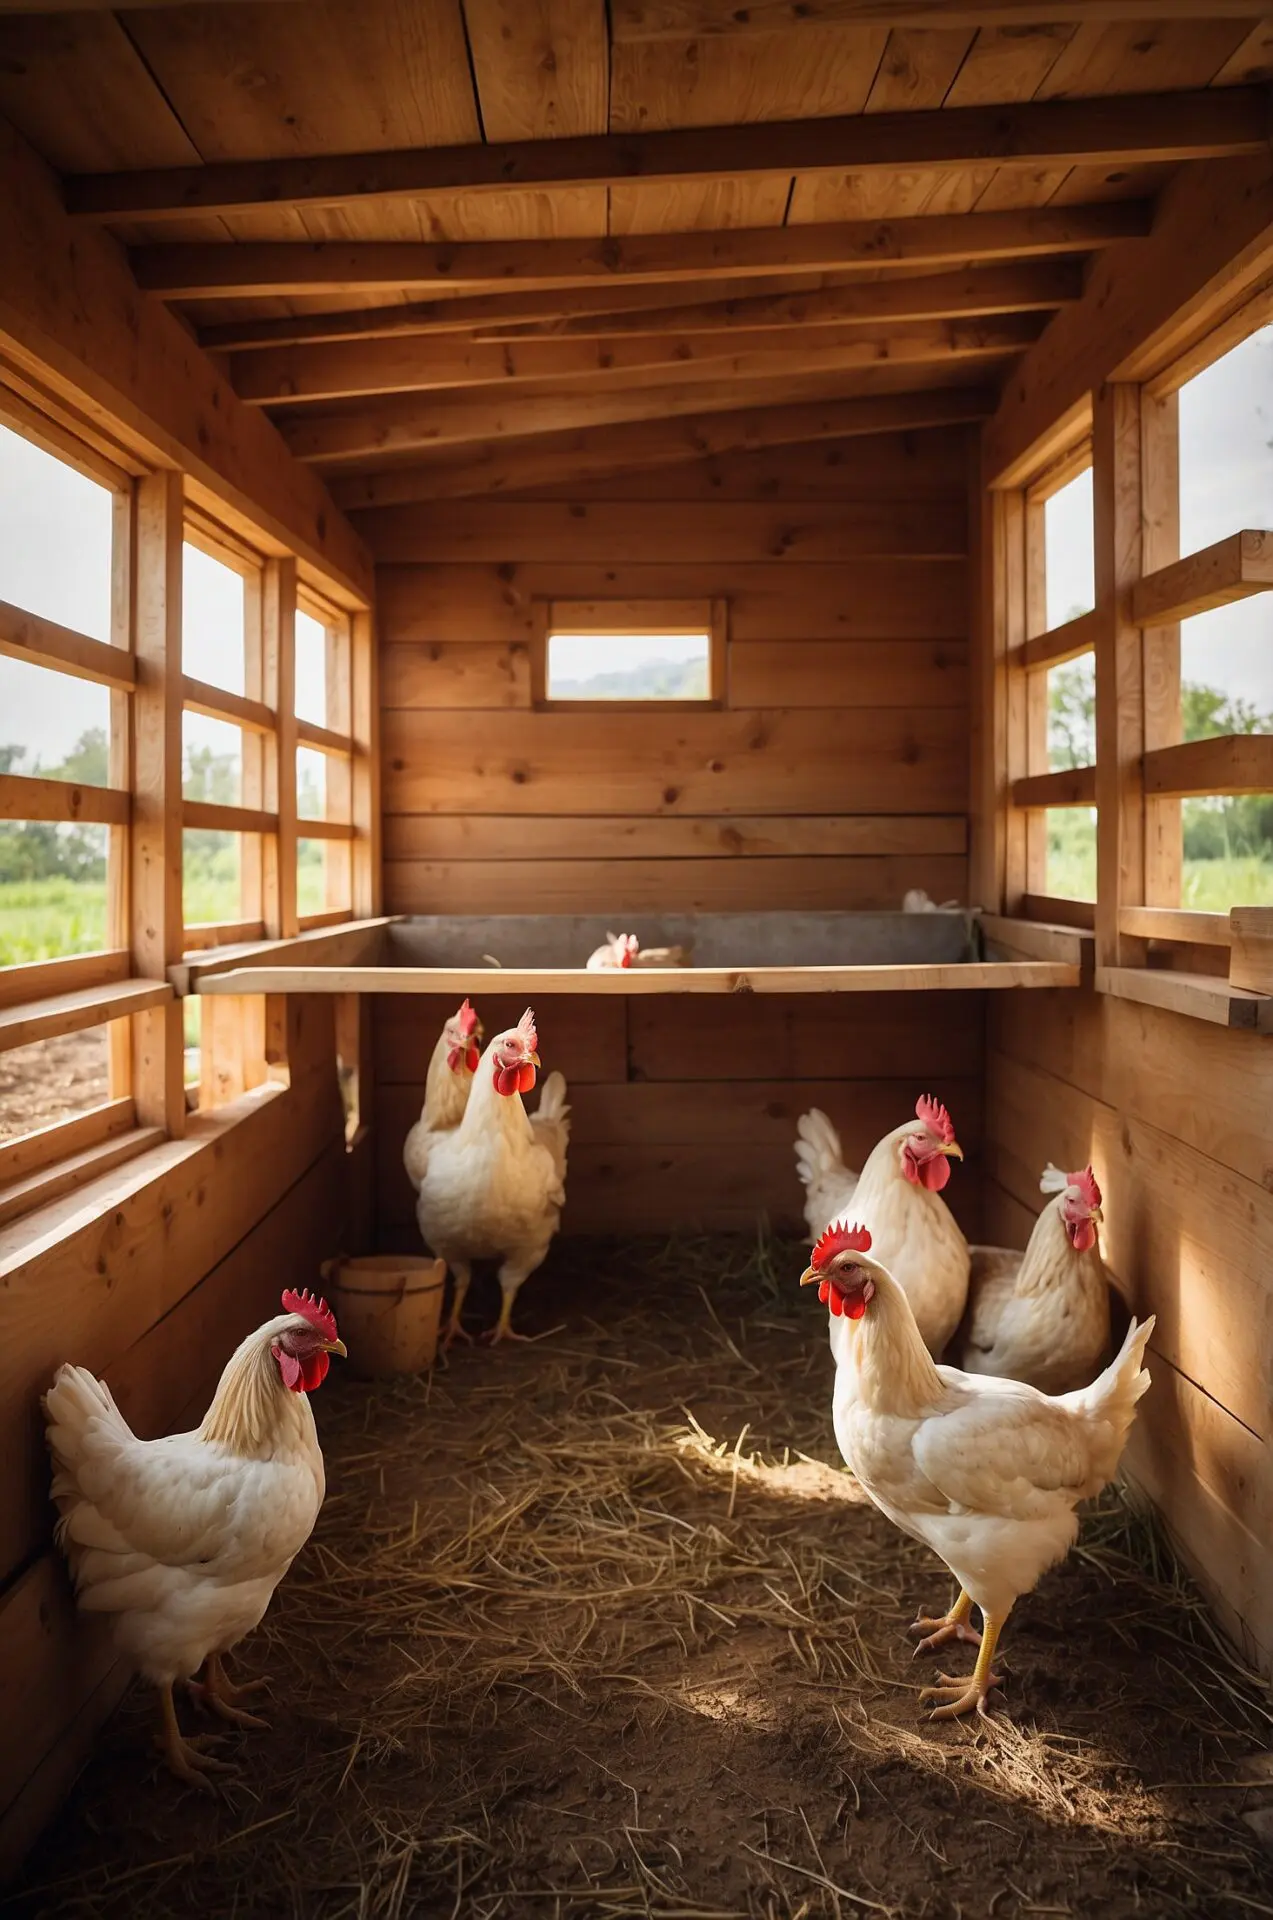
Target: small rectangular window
[(631, 653)]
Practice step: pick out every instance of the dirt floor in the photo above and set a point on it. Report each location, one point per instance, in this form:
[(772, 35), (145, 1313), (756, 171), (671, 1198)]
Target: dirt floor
[(598, 1627), (53, 1079)]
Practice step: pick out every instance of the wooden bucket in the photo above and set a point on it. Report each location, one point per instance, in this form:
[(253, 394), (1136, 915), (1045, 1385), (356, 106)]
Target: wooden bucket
[(388, 1307)]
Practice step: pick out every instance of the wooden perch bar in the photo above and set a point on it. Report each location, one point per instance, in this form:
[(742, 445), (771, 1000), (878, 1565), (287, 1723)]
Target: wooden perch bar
[(1232, 569), (1227, 763), (1070, 787), (71, 1012)]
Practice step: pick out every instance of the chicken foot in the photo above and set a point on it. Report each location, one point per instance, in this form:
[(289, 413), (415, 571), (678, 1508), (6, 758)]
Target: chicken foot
[(511, 1276), (185, 1757), (958, 1696), (221, 1696), (461, 1273), (953, 1625)]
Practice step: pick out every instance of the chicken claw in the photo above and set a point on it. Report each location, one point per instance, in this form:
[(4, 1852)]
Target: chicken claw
[(454, 1332), (958, 1696), (221, 1696), (496, 1335), (950, 1626), (186, 1758)]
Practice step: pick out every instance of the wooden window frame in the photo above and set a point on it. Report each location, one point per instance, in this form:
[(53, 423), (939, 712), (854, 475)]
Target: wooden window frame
[(336, 741), (628, 616)]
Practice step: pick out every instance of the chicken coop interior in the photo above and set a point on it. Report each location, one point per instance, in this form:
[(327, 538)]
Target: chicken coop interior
[(744, 530)]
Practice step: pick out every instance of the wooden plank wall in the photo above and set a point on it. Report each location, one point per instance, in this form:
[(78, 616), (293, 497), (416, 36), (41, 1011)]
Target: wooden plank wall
[(834, 776), (162, 1274), (1176, 1116)]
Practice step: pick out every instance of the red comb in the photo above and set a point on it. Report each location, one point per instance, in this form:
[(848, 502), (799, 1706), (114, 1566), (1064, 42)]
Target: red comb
[(840, 1238), (317, 1312), (935, 1118), (526, 1031), (466, 1019), (1086, 1184)]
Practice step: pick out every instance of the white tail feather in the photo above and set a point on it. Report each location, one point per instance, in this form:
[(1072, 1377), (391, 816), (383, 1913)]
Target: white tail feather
[(1111, 1401)]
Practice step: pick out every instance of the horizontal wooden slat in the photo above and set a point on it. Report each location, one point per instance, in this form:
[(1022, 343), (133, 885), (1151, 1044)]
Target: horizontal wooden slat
[(1171, 923), (27, 636), (640, 20), (48, 1183), (23, 797), (356, 940), (682, 886), (322, 739), (888, 600), (1060, 644), (307, 829), (1226, 763), (455, 673), (224, 819), (1199, 996), (1066, 913), (34, 1151), (639, 983), (456, 837), (584, 453), (71, 1012), (255, 268), (1090, 132), (1035, 940), (76, 973), (844, 673), (198, 696), (1069, 787), (553, 531), (722, 763), (202, 934), (313, 922), (1232, 569)]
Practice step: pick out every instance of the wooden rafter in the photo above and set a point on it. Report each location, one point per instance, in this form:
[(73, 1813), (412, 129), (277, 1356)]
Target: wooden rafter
[(596, 452), (1106, 131), (637, 20), (378, 432), (346, 369), (255, 268)]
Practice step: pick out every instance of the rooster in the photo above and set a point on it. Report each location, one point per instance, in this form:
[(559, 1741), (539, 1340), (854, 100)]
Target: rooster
[(446, 1088), (182, 1541), (986, 1472), (495, 1187), (897, 1195), (1042, 1315)]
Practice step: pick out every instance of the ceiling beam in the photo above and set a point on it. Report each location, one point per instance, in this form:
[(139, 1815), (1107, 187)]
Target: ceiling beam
[(1034, 286), (191, 271), (1106, 131), (386, 432), (598, 453), (465, 313), (290, 376), (636, 20)]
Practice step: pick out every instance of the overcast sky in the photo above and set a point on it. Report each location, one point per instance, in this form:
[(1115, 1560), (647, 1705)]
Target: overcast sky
[(55, 560)]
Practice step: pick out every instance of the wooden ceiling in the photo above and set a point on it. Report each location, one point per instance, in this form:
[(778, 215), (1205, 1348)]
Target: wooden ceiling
[(465, 245)]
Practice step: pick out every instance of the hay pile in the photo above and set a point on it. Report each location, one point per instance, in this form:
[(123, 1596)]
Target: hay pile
[(598, 1627)]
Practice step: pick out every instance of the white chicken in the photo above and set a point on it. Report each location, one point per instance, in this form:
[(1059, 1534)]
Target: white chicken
[(495, 1187), (452, 1065), (986, 1472), (1042, 1315), (619, 950), (898, 1196), (182, 1541)]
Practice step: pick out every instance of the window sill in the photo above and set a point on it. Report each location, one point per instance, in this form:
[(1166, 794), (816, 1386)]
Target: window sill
[(24, 1196), (1196, 995)]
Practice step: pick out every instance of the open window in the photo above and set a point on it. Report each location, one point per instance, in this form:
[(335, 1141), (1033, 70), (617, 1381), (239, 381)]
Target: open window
[(629, 653), (325, 752)]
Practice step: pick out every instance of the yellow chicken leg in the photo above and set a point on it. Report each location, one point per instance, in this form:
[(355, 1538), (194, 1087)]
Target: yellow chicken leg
[(961, 1696), (184, 1756), (503, 1328), (462, 1273), (221, 1696), (951, 1626)]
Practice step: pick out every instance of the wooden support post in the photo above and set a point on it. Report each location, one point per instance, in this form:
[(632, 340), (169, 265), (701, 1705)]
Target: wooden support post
[(365, 797), (279, 668), (156, 825), (1120, 726), (119, 932), (1160, 645), (1010, 596), (1035, 690), (338, 884), (987, 877)]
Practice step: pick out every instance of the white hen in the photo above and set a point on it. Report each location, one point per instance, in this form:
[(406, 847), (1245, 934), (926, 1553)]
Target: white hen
[(898, 1196), (1042, 1315), (182, 1541), (494, 1189), (620, 950), (452, 1065), (986, 1472)]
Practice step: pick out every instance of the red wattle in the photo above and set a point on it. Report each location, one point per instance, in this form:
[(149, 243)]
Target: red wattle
[(525, 1077), (507, 1079), (471, 1059), (932, 1172), (289, 1366), (453, 1058), (824, 1289), (1082, 1235)]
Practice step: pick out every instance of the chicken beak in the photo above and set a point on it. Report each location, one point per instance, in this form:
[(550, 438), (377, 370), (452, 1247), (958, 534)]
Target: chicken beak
[(534, 1059), (953, 1152), (337, 1346), (1096, 1217), (810, 1277)]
